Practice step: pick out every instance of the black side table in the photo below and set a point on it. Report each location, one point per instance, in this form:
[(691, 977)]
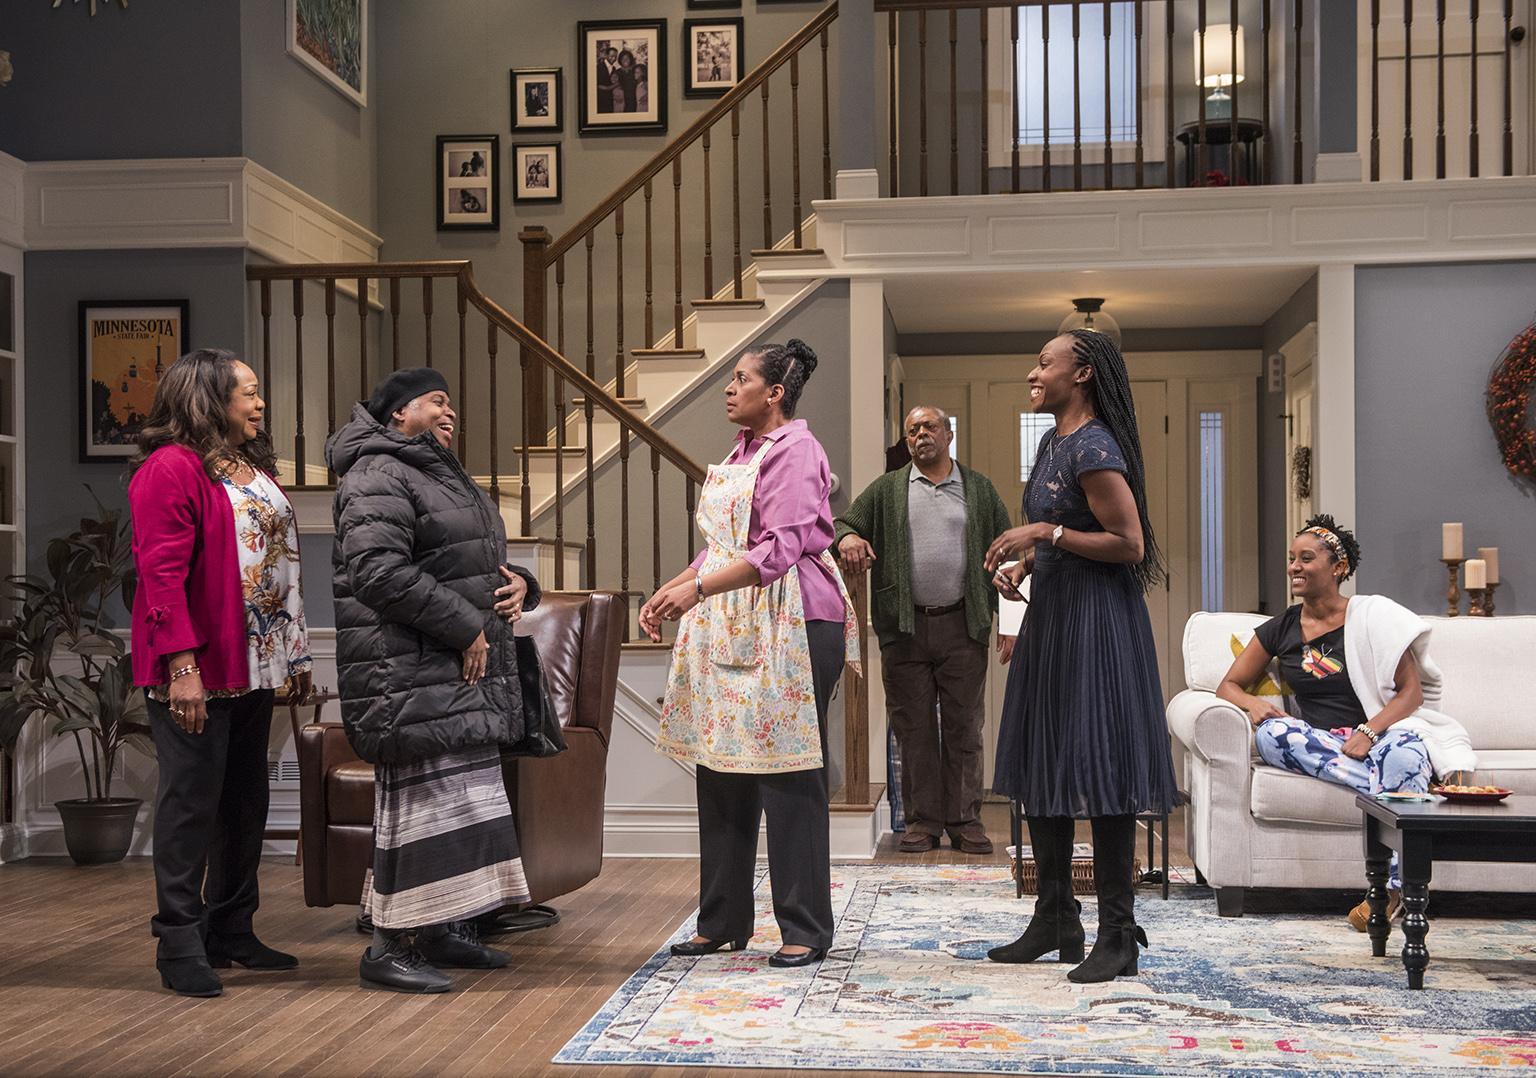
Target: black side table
[(1247, 153)]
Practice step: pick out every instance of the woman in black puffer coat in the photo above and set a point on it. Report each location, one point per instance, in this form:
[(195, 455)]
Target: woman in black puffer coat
[(428, 679)]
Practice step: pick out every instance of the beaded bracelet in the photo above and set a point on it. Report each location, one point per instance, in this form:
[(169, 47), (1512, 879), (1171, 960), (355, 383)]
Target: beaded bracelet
[(1368, 732), (184, 671)]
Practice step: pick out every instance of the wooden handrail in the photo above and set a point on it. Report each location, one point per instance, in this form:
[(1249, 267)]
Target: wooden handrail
[(721, 109), (463, 272)]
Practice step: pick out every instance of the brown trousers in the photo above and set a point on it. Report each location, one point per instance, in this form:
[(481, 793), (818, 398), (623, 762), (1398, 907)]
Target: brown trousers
[(939, 667)]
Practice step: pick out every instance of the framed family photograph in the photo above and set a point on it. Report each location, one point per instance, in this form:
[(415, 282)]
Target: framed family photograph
[(468, 183), (713, 56), (623, 75), (125, 346), (330, 37), (537, 101), (536, 172)]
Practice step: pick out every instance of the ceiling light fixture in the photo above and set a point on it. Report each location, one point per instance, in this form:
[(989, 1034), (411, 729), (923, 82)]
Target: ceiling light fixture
[(1088, 314)]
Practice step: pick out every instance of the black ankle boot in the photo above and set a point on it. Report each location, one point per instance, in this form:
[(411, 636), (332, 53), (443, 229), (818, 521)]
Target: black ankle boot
[(247, 951), (1057, 924), (1114, 857), (191, 976)]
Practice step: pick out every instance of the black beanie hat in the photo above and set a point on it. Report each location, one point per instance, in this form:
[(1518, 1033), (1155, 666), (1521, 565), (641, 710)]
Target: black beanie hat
[(401, 388)]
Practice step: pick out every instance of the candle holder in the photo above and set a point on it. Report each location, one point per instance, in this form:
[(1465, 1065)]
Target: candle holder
[(1488, 600), (1453, 588), (1477, 599)]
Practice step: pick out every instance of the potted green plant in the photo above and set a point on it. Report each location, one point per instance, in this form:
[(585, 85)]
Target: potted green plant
[(64, 667)]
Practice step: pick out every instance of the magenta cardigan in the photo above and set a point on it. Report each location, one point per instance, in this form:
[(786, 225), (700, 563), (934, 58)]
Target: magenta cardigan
[(189, 596)]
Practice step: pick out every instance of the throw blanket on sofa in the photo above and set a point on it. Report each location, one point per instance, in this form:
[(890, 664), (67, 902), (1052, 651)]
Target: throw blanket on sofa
[(1377, 631)]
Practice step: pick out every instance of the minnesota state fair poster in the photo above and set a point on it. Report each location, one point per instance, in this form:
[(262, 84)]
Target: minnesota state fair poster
[(124, 348)]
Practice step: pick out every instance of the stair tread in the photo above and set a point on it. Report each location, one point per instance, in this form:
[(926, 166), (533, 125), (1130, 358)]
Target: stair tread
[(667, 353), (729, 304), (789, 252)]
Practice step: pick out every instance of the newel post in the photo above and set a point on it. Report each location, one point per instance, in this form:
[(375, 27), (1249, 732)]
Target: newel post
[(535, 247)]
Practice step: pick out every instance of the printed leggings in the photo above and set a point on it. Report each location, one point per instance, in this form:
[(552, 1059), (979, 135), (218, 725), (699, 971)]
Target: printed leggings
[(1398, 762)]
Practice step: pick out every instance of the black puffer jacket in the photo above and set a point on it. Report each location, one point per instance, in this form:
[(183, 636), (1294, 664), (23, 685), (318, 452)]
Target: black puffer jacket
[(417, 550)]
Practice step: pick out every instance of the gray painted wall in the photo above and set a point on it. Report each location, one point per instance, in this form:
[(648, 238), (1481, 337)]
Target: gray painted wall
[(155, 80), (213, 282), (1426, 339), (1284, 324), (299, 127)]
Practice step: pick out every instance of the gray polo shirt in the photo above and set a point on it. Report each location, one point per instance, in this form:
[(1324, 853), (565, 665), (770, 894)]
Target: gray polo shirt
[(936, 531)]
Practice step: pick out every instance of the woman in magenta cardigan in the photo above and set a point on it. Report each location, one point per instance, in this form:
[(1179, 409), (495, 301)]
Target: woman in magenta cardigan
[(218, 626)]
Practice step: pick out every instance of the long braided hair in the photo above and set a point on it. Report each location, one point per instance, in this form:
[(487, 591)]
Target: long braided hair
[(1110, 391)]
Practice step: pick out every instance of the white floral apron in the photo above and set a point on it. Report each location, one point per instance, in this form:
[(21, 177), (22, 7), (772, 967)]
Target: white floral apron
[(740, 696)]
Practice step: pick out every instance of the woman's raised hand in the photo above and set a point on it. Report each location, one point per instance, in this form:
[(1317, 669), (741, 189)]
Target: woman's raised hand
[(474, 659), (1015, 543)]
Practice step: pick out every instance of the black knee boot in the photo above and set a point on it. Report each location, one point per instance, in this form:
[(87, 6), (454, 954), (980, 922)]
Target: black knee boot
[(1056, 924), (1114, 857)]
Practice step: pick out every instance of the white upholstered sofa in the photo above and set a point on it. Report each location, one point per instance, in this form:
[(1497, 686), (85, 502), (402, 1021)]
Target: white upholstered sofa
[(1252, 825)]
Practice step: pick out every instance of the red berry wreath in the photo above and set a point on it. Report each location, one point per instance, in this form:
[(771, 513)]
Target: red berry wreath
[(1509, 404)]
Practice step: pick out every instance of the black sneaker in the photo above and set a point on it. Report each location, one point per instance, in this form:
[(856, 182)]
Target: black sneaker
[(457, 945), (401, 968)]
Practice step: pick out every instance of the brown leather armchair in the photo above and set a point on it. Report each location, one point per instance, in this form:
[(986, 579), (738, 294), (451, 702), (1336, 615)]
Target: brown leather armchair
[(557, 802)]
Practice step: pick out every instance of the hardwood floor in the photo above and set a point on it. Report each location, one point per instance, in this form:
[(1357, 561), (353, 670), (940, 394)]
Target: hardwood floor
[(79, 995)]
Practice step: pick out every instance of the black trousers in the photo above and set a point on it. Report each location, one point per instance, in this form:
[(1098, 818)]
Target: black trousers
[(731, 807), (210, 813)]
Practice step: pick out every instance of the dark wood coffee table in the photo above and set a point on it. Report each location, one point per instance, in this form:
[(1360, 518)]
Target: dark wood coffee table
[(1422, 833)]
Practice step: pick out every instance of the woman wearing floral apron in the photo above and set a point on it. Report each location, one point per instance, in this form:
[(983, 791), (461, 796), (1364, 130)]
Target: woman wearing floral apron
[(766, 628)]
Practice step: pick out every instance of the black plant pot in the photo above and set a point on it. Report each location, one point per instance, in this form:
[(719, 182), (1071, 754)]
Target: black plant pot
[(98, 832)]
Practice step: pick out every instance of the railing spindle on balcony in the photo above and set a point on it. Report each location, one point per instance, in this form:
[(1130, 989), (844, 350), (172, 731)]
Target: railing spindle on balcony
[(301, 477), (1472, 149), (1168, 159), (330, 366), (362, 339), (826, 128), (1077, 93), (1440, 88), (1407, 86), (1376, 89), (1236, 28), (794, 122), (394, 323), (1264, 31), (954, 102), (461, 302), (1200, 156), (1140, 150), (767, 174), (922, 103), (1013, 83), (426, 315), (1045, 98), (986, 175), (650, 326), (1109, 142), (1296, 170), (1509, 130), (892, 77), (677, 256)]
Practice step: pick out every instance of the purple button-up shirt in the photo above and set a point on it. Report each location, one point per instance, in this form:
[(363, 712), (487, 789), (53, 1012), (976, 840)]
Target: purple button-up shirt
[(791, 518)]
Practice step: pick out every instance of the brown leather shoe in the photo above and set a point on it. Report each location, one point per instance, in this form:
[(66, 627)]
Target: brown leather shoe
[(1360, 916), (971, 841), (918, 842)]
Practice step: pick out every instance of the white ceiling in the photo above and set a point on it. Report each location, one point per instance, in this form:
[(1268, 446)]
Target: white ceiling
[(1164, 298)]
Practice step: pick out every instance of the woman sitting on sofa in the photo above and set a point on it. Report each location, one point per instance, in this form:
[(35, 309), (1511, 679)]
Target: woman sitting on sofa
[(1360, 675)]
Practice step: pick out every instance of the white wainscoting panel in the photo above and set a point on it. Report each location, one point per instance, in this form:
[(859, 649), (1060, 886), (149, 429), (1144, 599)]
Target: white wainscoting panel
[(13, 172)]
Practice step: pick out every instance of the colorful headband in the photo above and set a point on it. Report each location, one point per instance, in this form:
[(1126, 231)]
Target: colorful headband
[(1333, 542)]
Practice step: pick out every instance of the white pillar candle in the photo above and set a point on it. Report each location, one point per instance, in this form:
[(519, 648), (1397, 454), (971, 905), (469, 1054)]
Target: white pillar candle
[(1477, 574), (1490, 554), (1450, 542)]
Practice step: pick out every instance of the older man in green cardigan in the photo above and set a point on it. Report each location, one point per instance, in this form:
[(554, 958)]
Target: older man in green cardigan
[(923, 531)]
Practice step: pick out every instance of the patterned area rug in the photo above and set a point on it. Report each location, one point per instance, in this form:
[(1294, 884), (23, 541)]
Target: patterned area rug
[(907, 988)]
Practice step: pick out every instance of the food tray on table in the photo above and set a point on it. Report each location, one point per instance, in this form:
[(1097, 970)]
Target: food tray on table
[(1472, 795)]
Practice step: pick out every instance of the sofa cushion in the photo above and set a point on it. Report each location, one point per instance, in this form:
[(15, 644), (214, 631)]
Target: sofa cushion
[(1514, 769), (1286, 797), (1485, 663), (1208, 645), (349, 793)]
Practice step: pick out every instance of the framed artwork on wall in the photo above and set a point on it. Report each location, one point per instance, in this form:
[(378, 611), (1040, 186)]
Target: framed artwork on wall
[(538, 103), (330, 37), (468, 183), (623, 75), (712, 55), (125, 346), (536, 172)]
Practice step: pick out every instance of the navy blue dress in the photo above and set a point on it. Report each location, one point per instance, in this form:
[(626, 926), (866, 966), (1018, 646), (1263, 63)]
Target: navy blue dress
[(1083, 732)]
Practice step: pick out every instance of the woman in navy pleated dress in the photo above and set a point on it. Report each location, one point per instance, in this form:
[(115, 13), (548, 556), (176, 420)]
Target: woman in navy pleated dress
[(1083, 733)]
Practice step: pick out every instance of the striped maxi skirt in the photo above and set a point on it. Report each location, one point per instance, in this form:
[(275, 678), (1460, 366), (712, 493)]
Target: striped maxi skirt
[(445, 846)]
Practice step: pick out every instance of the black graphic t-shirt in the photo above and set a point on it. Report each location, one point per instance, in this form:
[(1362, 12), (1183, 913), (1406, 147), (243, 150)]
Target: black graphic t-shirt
[(1314, 671)]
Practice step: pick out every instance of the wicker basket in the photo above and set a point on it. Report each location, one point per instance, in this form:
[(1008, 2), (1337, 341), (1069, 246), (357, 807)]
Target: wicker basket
[(1028, 873)]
